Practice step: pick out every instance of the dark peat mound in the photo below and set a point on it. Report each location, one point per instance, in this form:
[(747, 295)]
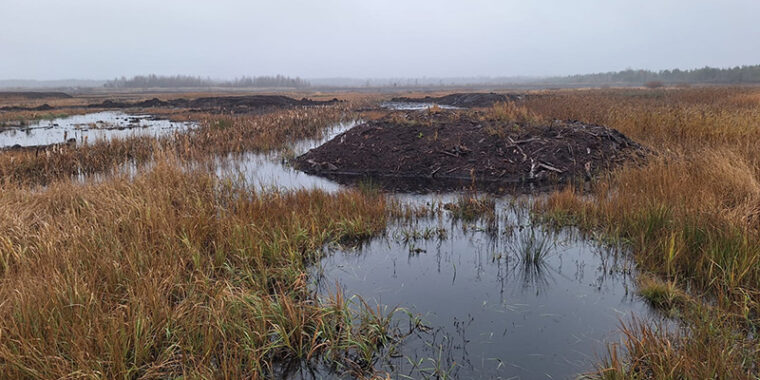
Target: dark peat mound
[(463, 100), (470, 147)]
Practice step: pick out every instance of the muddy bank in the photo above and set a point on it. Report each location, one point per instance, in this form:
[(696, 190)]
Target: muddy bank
[(463, 100), (218, 104), (466, 146)]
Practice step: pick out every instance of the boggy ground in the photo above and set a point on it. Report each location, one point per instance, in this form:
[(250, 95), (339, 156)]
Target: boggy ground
[(175, 274), (504, 144), (217, 134)]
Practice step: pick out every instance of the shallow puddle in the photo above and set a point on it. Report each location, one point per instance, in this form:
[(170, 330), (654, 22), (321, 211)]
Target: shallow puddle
[(412, 106), (89, 128), (271, 170)]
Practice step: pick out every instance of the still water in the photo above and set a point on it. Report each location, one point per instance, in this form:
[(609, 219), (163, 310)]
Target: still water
[(488, 310), (89, 128), (493, 309), (414, 106)]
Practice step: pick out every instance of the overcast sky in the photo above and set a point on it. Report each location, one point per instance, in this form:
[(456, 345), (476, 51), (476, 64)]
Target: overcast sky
[(102, 39)]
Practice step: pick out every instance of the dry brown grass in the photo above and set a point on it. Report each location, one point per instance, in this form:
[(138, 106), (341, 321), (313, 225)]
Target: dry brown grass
[(175, 274), (691, 214)]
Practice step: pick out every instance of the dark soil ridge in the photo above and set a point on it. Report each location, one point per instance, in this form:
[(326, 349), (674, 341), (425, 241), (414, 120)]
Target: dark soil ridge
[(470, 147), (464, 100), (217, 104), (33, 94)]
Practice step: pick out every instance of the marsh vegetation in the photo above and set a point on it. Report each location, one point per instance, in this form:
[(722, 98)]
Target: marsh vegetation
[(194, 265)]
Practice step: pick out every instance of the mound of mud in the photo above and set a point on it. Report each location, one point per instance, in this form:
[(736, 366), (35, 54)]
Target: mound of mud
[(463, 100), (469, 146)]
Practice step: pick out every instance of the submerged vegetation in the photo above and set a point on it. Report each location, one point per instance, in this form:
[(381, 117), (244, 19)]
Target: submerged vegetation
[(471, 207)]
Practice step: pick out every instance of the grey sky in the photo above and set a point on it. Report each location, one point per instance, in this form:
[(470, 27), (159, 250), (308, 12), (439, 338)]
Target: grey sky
[(94, 39)]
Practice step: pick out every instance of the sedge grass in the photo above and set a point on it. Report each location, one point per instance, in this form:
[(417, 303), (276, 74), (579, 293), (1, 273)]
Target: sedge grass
[(690, 214), (175, 274)]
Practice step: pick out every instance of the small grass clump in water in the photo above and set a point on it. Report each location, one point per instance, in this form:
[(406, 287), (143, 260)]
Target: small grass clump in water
[(174, 273), (471, 207), (664, 295), (531, 247)]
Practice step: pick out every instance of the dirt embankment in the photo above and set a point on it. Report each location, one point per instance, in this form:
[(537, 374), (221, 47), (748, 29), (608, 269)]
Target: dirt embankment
[(219, 104), (464, 100), (462, 146)]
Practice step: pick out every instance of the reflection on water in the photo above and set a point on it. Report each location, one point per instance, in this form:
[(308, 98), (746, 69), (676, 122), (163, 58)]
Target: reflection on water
[(89, 127), (271, 170), (502, 299)]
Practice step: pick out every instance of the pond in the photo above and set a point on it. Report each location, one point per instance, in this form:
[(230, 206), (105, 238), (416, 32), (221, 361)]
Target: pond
[(503, 299), (500, 297), (88, 128)]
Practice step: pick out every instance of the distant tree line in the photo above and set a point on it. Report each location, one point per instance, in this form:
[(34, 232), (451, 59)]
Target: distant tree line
[(143, 81), (180, 81), (738, 74), (268, 81)]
